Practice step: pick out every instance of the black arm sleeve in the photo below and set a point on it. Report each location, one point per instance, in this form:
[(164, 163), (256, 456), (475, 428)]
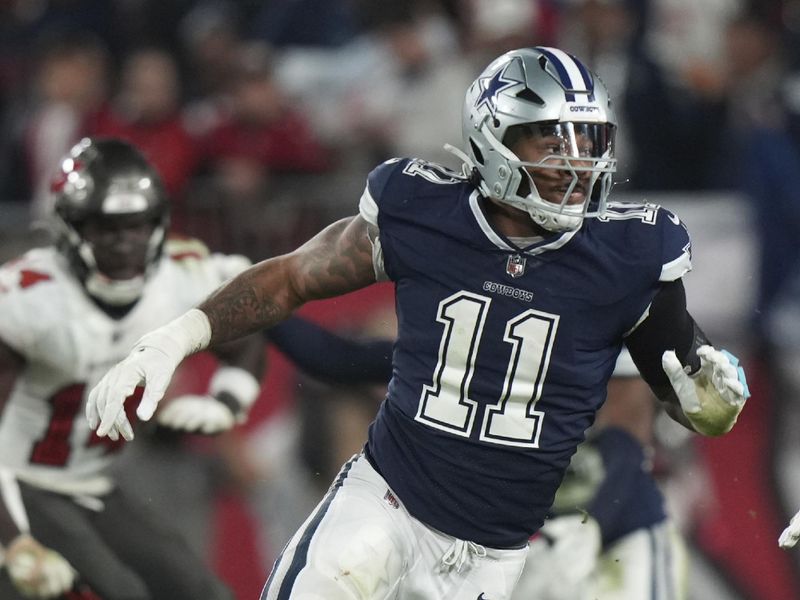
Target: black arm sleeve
[(668, 326), (328, 356)]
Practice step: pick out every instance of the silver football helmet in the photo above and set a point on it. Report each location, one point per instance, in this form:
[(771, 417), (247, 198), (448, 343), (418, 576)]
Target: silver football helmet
[(107, 186), (548, 93)]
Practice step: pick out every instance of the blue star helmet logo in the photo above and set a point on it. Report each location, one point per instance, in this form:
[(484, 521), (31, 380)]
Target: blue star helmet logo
[(492, 86)]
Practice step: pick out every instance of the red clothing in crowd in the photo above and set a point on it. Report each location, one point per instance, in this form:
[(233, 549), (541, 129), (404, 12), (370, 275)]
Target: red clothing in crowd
[(166, 144), (285, 145)]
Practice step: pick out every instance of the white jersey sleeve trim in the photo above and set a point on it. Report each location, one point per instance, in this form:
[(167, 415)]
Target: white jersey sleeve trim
[(368, 209), (675, 269), (625, 367), (377, 260), (645, 314)]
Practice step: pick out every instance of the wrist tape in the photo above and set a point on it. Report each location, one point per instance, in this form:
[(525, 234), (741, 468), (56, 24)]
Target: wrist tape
[(189, 333), (238, 384)]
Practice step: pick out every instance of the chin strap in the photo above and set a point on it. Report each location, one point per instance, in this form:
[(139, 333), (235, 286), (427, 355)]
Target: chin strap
[(468, 169), (557, 222), (467, 166)]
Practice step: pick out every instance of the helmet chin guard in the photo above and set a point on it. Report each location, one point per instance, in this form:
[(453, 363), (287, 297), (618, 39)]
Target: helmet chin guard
[(547, 94), (119, 292)]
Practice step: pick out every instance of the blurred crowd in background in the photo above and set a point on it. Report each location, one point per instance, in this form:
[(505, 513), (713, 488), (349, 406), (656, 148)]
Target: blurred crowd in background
[(264, 117)]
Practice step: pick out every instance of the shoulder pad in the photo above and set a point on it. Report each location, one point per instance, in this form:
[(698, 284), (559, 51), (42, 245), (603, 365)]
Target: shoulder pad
[(180, 248)]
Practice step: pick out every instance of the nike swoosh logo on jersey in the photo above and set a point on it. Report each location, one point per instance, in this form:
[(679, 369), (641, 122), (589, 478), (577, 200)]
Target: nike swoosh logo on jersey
[(674, 219)]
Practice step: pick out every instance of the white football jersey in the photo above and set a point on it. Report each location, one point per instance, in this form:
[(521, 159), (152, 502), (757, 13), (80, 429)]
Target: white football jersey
[(68, 344)]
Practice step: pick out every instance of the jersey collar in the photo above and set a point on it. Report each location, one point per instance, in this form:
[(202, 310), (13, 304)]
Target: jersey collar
[(503, 243)]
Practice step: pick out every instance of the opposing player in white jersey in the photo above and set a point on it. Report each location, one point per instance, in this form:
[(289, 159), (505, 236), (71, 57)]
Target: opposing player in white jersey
[(69, 311), (516, 285)]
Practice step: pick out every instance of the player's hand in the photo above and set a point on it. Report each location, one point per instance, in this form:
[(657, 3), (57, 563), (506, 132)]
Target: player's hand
[(151, 363), (202, 414), (36, 571), (713, 397), (791, 534)]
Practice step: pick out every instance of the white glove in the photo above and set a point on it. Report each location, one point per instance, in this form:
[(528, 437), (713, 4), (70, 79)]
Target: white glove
[(104, 407), (36, 571), (713, 397), (204, 414), (151, 363), (791, 534)]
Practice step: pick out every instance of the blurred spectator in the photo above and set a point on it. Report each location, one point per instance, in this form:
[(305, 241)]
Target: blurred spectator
[(146, 112), (261, 139), (283, 23), (687, 40), (262, 128), (96, 18), (68, 98), (403, 106), (764, 107), (603, 32), (210, 41), (390, 91), (496, 26), (675, 96)]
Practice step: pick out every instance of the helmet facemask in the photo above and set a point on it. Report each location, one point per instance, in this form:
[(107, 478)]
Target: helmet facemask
[(117, 276), (574, 171)]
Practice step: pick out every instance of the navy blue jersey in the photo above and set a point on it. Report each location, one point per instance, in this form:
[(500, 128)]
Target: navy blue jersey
[(609, 477), (628, 497), (503, 354)]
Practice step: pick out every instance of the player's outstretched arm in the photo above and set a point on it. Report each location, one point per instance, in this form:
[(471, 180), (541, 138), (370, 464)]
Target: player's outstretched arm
[(703, 388), (336, 261)]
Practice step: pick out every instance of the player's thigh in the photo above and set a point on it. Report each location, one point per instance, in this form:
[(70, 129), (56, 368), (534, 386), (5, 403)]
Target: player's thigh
[(647, 564), (146, 540), (356, 544), (59, 523)]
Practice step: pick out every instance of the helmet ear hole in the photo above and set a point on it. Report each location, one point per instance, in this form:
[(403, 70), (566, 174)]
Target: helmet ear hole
[(476, 152), (524, 187)]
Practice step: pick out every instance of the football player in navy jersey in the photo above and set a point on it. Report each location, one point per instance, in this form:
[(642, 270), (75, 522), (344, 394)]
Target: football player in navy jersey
[(608, 535), (517, 283)]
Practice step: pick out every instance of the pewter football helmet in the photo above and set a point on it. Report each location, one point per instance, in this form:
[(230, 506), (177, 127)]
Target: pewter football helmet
[(547, 92), (109, 182)]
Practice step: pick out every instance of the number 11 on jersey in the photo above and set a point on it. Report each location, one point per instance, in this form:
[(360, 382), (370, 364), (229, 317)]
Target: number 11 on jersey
[(446, 404)]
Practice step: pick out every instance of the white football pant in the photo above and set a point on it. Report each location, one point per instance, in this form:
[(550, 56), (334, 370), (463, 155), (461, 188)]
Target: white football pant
[(360, 543)]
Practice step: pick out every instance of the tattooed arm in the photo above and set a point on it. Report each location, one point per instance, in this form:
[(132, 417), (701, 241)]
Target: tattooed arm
[(336, 261)]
